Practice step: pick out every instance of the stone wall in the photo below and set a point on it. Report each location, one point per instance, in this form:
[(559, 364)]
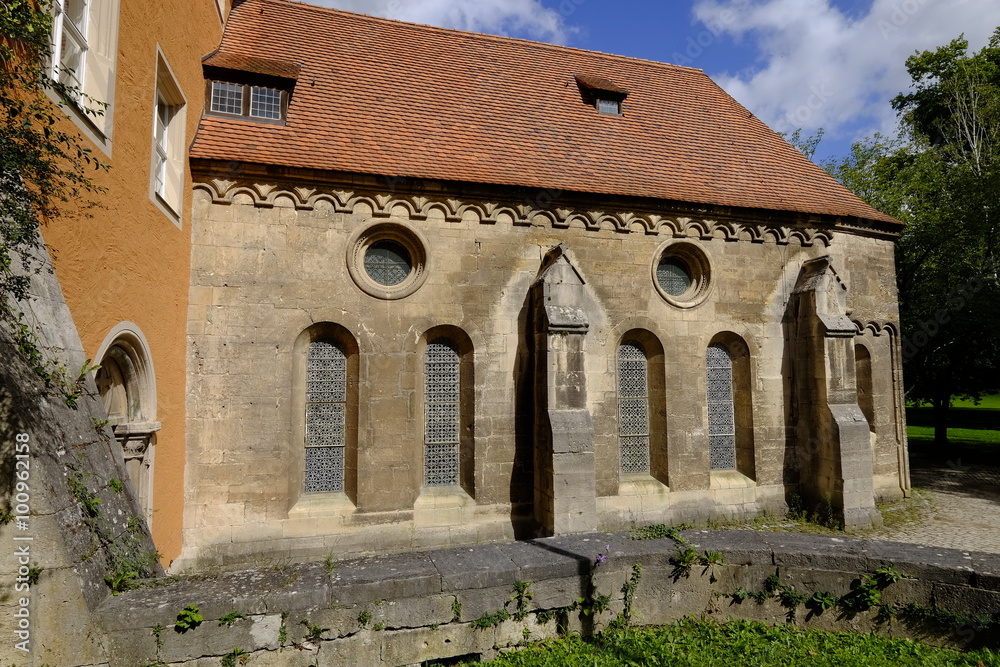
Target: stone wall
[(275, 260), (405, 609), (71, 519)]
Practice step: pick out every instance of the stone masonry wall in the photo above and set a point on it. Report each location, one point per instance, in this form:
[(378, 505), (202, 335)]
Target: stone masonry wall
[(272, 262), (409, 608), (55, 458)]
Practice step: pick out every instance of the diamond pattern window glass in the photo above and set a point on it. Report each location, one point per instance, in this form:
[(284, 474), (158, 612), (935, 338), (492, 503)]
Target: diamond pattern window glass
[(721, 415), (673, 276), (326, 403), (633, 407), (442, 402), (388, 263), (227, 97), (265, 102)]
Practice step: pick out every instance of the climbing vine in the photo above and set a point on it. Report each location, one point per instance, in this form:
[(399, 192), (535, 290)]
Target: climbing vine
[(42, 166)]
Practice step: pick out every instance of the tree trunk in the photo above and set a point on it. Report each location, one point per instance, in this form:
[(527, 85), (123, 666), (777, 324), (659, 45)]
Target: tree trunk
[(941, 405)]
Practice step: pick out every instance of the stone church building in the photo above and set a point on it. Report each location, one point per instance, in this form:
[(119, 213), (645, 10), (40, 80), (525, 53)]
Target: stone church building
[(449, 288)]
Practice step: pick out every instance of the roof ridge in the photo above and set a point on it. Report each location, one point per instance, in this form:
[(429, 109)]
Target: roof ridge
[(470, 34)]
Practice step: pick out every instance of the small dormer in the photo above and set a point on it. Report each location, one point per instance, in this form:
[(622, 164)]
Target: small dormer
[(249, 88), (601, 93)]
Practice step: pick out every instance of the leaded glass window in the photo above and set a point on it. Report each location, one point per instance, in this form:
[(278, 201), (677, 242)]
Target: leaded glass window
[(388, 263), (442, 402), (633, 407), (721, 415), (326, 405), (673, 276)]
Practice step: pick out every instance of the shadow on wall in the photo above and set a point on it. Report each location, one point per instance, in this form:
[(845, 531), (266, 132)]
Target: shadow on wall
[(522, 479)]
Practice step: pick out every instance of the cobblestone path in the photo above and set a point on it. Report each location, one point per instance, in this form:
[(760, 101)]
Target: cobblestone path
[(960, 508)]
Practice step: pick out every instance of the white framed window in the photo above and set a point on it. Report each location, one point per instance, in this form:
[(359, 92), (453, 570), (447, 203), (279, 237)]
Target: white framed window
[(166, 183), (259, 103), (227, 97), (84, 51), (609, 107), (265, 102), (69, 41)]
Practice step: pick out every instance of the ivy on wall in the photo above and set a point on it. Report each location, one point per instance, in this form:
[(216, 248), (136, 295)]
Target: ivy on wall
[(44, 166)]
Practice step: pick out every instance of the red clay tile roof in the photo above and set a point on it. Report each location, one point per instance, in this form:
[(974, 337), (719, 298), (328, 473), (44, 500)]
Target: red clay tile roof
[(382, 97), (599, 83), (279, 68)]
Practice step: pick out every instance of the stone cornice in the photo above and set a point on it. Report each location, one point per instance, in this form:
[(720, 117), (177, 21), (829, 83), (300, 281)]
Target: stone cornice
[(556, 209)]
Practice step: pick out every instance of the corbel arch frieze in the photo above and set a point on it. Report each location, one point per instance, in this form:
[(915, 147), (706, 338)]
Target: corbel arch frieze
[(876, 327), (418, 207)]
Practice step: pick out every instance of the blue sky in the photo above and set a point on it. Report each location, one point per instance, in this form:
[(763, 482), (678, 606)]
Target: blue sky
[(804, 64)]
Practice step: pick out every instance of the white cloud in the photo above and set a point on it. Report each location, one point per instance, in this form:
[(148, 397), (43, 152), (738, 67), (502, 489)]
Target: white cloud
[(519, 18), (819, 67)]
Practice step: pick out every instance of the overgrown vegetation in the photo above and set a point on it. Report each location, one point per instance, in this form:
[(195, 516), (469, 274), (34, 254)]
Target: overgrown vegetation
[(42, 166), (235, 657), (229, 619), (490, 620), (705, 643), (521, 597), (126, 557), (314, 633), (188, 618)]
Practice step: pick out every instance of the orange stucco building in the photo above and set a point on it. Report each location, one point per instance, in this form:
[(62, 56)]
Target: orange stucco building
[(124, 266)]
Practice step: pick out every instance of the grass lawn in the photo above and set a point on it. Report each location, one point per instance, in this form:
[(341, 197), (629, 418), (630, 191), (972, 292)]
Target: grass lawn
[(739, 643), (973, 433), (991, 402)]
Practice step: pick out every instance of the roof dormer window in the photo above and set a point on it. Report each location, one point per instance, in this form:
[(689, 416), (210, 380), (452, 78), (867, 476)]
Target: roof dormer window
[(601, 93), (227, 98), (254, 102), (265, 102), (250, 88), (613, 107)]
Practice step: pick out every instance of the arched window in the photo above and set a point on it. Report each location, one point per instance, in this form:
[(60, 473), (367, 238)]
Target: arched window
[(442, 412), (326, 408), (633, 407), (127, 386), (721, 414)]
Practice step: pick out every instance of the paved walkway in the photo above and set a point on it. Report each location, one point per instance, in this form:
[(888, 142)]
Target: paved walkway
[(957, 507)]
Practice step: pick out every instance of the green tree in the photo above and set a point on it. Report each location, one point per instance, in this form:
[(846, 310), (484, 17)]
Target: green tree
[(940, 177), (43, 165)]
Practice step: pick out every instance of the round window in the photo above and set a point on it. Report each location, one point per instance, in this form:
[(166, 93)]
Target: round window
[(387, 260), (387, 263), (681, 273), (673, 275)]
